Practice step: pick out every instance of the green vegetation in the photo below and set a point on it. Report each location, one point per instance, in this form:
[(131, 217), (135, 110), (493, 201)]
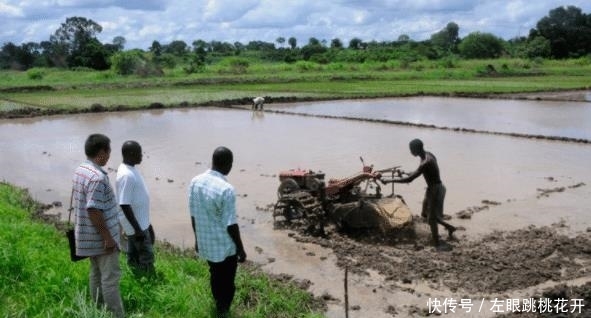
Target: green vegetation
[(236, 78), (562, 34), (73, 71), (38, 279)]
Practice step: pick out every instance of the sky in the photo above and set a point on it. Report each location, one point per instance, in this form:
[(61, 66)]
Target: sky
[(141, 22)]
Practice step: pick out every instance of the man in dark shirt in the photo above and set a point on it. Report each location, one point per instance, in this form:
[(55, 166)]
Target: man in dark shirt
[(435, 194)]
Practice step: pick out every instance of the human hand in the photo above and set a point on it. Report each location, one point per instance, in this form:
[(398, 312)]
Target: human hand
[(110, 244), (241, 256), (139, 236)]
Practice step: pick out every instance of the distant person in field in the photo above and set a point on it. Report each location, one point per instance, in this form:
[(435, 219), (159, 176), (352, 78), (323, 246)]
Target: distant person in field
[(134, 200), (97, 224), (212, 205), (435, 194), (258, 102)]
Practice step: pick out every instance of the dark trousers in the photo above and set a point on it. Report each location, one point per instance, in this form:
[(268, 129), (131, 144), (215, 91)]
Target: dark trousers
[(140, 254), (433, 210), (222, 276)]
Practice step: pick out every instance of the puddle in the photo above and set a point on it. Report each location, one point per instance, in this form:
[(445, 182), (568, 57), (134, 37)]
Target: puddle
[(524, 117), (505, 174)]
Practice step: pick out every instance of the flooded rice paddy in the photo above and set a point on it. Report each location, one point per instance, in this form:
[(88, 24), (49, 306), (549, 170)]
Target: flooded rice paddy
[(495, 184)]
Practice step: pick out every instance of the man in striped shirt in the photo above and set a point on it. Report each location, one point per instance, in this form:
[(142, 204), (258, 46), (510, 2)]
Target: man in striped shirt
[(97, 223), (212, 204)]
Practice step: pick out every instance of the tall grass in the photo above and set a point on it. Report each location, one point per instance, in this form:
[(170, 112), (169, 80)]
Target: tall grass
[(37, 279)]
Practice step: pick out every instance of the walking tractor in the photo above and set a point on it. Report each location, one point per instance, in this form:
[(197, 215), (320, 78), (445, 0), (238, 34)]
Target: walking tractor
[(352, 203)]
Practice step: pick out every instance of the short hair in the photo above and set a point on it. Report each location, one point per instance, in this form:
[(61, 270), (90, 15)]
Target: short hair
[(129, 147), (95, 143), (416, 144), (222, 157)]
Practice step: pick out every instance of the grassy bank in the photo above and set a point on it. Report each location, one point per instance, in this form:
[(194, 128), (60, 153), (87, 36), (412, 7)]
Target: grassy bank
[(79, 90), (38, 280)]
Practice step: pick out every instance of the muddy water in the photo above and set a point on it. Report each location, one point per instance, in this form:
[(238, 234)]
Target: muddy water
[(41, 153), (550, 118)]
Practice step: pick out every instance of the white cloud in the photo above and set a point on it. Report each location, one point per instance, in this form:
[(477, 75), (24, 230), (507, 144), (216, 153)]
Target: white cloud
[(7, 10), (227, 10), (143, 21)]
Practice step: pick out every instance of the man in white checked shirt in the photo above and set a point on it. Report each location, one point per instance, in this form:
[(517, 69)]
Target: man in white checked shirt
[(212, 205)]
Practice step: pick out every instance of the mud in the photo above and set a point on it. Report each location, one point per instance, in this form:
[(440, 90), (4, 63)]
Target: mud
[(563, 96), (468, 212), (499, 262), (556, 295), (493, 266), (547, 192), (495, 177)]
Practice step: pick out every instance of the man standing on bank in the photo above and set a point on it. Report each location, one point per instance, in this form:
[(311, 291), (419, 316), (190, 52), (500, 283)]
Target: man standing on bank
[(97, 223), (435, 193), (212, 205), (134, 200)]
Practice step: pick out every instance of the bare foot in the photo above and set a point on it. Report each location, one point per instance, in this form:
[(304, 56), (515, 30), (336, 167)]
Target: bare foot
[(450, 233)]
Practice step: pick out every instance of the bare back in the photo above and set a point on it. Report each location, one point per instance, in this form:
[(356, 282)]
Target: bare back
[(430, 169)]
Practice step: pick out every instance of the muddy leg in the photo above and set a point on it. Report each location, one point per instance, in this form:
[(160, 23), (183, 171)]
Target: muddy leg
[(425, 210), (434, 231), (450, 228)]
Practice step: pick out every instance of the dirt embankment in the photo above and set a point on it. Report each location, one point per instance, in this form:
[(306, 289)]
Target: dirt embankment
[(580, 96), (458, 129)]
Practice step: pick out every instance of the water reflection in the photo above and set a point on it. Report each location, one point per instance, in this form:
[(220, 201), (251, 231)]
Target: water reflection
[(551, 118)]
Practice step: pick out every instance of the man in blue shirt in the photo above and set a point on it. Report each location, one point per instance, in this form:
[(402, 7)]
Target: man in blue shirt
[(212, 205)]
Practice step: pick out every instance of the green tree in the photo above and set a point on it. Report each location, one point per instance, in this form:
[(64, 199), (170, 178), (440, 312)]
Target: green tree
[(8, 56), (293, 43), (119, 42), (75, 40), (313, 41), (117, 45), (92, 54), (478, 45), (126, 62), (448, 38), (156, 48), (280, 40), (336, 43), (355, 44), (569, 31), (20, 57), (177, 48), (403, 38), (314, 47), (200, 45), (196, 62), (538, 47)]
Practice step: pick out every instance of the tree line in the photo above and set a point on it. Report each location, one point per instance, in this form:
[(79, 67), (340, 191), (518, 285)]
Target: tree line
[(564, 33)]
